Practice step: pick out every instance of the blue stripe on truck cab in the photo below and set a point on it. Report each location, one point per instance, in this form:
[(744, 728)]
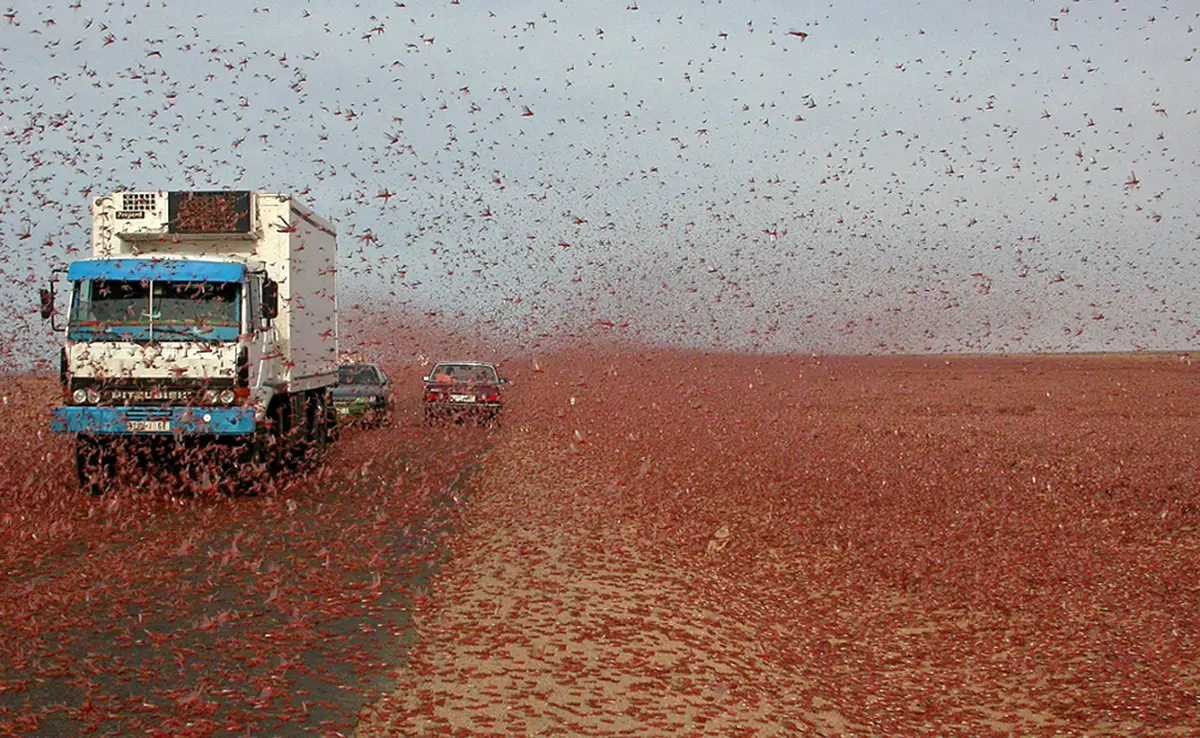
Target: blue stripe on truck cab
[(165, 270), (142, 333), (216, 421)]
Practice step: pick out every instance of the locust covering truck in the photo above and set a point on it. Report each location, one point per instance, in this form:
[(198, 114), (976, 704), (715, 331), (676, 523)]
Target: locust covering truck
[(202, 318)]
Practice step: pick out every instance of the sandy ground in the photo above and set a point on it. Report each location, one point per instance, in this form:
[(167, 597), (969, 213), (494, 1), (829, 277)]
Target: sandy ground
[(555, 624), (682, 544)]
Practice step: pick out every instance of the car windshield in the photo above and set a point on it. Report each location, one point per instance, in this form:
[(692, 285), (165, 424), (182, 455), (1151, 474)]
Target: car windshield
[(358, 375), (464, 373)]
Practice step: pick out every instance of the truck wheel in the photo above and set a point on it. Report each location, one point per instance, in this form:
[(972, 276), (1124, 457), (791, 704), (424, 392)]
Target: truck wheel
[(320, 422), (272, 442), (252, 470), (95, 464), (289, 440), (332, 425)]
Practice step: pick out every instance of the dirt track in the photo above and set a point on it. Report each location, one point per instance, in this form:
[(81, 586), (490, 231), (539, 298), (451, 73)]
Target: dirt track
[(707, 545)]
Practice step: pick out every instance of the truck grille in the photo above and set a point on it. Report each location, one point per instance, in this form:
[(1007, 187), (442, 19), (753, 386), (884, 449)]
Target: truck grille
[(148, 413)]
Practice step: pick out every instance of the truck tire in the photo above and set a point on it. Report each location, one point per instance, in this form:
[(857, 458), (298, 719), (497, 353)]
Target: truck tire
[(95, 464), (276, 441), (319, 415), (297, 431), (332, 423), (253, 469)]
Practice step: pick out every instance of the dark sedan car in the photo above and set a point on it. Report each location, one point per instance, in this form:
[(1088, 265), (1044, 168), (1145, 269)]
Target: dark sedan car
[(463, 390), (363, 394)]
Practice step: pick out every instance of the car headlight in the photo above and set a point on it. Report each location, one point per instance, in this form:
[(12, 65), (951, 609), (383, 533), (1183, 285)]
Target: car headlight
[(79, 396)]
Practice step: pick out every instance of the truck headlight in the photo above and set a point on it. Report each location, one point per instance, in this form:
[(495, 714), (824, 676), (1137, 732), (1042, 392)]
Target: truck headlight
[(93, 395), (208, 397), (225, 397), (79, 396)]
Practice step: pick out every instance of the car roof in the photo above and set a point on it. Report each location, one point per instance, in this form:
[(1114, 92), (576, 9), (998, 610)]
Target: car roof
[(467, 363)]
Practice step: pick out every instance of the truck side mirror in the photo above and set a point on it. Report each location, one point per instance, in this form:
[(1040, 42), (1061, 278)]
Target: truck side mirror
[(47, 297), (270, 299)]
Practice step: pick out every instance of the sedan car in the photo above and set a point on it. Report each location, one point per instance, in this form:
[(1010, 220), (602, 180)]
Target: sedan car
[(363, 394), (463, 390)]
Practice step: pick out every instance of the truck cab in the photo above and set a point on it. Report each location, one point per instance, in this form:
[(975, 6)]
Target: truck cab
[(166, 345)]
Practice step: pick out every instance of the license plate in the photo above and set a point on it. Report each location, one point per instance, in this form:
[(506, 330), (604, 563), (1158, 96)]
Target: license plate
[(343, 411), (147, 426), (462, 398)]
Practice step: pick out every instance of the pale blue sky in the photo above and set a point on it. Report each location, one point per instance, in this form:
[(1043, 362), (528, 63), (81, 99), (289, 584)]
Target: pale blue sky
[(938, 176)]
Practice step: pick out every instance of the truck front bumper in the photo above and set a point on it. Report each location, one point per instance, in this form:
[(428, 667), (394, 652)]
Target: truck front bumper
[(154, 421)]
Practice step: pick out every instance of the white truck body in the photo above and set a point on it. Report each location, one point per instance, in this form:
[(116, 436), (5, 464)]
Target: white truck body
[(200, 314), (296, 248)]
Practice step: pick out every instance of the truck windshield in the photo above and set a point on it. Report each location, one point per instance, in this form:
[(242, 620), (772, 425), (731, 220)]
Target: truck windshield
[(156, 310)]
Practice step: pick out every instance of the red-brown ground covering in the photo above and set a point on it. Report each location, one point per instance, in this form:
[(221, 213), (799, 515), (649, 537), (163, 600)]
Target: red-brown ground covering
[(690, 544), (654, 543), (174, 611)]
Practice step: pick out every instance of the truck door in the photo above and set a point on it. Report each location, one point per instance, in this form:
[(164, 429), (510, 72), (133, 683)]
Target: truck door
[(262, 348)]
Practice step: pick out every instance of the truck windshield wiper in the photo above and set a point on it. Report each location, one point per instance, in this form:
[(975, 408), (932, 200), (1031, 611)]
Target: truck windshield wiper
[(96, 328), (176, 330)]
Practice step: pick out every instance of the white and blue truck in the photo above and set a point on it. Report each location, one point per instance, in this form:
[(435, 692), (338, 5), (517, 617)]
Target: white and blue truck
[(202, 319)]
